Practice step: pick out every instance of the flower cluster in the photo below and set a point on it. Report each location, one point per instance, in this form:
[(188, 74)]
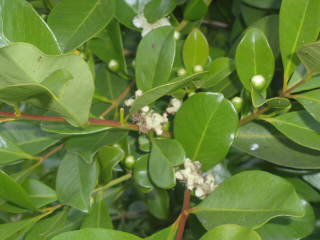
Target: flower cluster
[(191, 175), (148, 120), (141, 22)]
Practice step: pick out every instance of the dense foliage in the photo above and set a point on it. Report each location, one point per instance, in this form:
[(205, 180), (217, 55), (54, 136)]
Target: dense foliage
[(159, 119)]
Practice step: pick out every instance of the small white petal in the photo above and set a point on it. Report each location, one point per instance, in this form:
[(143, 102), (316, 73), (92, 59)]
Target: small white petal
[(129, 102), (138, 93), (145, 109)]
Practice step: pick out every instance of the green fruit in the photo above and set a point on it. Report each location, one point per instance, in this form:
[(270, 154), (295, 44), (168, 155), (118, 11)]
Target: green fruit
[(113, 65), (258, 82), (129, 161), (237, 103), (198, 69)]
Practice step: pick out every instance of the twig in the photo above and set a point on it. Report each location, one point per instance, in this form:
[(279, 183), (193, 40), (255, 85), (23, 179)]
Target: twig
[(122, 96), (114, 182), (216, 23), (184, 214), (254, 115)]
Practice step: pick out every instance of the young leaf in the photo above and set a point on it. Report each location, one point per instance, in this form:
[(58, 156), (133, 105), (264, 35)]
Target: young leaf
[(155, 56), (21, 23), (235, 202), (156, 9), (86, 146), (254, 56), (165, 154), (299, 24), (96, 234), (311, 102), (257, 140), (231, 232), (195, 50), (13, 192), (75, 22), (75, 181), (300, 127), (205, 126), (37, 81)]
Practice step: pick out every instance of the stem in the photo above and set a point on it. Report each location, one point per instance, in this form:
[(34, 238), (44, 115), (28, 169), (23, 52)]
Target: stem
[(216, 24), (286, 93), (122, 96), (114, 182), (254, 115), (182, 25), (184, 214)]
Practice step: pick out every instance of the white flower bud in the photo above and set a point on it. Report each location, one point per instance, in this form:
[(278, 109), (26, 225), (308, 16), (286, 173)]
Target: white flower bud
[(138, 93), (181, 72), (176, 35), (198, 68), (129, 102), (145, 109)]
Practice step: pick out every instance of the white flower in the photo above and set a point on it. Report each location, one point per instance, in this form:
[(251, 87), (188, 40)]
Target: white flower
[(138, 93), (141, 22), (145, 109), (175, 105), (129, 102)]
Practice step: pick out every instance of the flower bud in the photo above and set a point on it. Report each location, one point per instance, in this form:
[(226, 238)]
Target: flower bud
[(237, 103), (113, 65), (176, 35), (129, 161), (198, 69), (181, 72), (258, 82)]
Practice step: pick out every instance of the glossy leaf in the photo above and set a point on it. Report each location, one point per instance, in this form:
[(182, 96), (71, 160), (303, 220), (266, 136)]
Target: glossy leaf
[(75, 181), (13, 192), (76, 22), (165, 154), (196, 9), (96, 234), (141, 173), (299, 127), (155, 56), (231, 232), (289, 228), (195, 50), (254, 56), (218, 70), (86, 146), (299, 74), (299, 24), (205, 126), (21, 23), (156, 9), (158, 92), (306, 191), (309, 55), (311, 102), (109, 157), (40, 80), (264, 4), (158, 203), (257, 140), (235, 202), (168, 233)]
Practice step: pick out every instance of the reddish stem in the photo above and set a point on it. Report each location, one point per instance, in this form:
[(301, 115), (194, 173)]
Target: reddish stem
[(53, 151), (184, 214)]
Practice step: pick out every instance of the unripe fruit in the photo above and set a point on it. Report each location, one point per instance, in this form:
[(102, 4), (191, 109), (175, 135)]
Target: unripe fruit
[(181, 72), (113, 65), (198, 69), (237, 103), (258, 82), (129, 161), (176, 35)]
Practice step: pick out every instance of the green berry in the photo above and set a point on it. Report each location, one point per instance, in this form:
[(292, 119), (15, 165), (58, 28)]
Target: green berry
[(113, 65), (258, 82), (129, 161), (181, 72), (198, 69), (176, 35), (237, 103)]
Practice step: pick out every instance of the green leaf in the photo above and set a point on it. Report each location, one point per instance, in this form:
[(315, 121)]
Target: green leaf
[(155, 56), (107, 45), (37, 81), (158, 203), (40, 193), (298, 126), (67, 129), (109, 157), (299, 24), (141, 175), (235, 202), (195, 50), (196, 9), (156, 9), (164, 156), (16, 230), (289, 228), (98, 216), (251, 15), (154, 94), (13, 192), (28, 136), (74, 23), (311, 102), (96, 234), (218, 70), (300, 74), (21, 23), (205, 126), (304, 189), (231, 232), (264, 4), (257, 140), (254, 56), (309, 55), (49, 227), (75, 181), (168, 233), (86, 146)]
